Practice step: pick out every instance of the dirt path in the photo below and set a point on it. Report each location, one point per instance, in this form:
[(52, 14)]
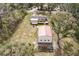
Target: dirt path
[(44, 54)]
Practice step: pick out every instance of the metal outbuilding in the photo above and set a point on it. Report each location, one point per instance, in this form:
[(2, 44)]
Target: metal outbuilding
[(44, 37), (38, 19)]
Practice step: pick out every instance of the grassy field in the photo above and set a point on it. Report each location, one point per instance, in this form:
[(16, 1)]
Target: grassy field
[(25, 32), (21, 43)]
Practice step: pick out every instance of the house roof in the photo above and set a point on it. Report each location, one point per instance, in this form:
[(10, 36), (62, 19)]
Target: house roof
[(44, 30), (39, 17), (34, 19)]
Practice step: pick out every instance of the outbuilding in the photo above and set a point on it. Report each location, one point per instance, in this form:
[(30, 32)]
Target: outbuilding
[(44, 38), (38, 19)]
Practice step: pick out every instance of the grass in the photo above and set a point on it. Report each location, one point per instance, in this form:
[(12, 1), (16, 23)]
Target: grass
[(18, 43), (25, 32), (70, 40)]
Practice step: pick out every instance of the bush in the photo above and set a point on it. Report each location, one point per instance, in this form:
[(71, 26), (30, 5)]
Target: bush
[(17, 50), (68, 49), (9, 22)]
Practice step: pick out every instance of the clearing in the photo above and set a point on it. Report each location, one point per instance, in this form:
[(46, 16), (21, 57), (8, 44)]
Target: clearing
[(25, 32)]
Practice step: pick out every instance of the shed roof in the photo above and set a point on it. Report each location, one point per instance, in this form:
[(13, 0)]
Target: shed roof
[(34, 19), (39, 17), (44, 30)]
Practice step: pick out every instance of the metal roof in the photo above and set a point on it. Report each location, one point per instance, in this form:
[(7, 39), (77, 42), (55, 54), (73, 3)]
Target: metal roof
[(34, 19), (44, 30), (39, 17)]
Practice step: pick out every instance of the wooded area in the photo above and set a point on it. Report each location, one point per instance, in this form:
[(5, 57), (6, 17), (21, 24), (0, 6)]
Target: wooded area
[(64, 23)]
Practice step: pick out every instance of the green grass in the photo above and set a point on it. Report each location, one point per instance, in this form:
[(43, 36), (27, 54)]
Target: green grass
[(18, 43), (25, 32)]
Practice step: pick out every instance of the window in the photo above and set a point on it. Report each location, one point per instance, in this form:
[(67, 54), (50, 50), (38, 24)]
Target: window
[(48, 40), (44, 40), (40, 40)]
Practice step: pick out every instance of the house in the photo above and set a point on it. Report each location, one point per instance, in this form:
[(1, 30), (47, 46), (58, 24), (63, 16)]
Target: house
[(44, 38), (38, 19)]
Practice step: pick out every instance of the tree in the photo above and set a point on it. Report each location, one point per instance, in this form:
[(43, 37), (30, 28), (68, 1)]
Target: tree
[(51, 7), (10, 17), (62, 24), (72, 8)]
